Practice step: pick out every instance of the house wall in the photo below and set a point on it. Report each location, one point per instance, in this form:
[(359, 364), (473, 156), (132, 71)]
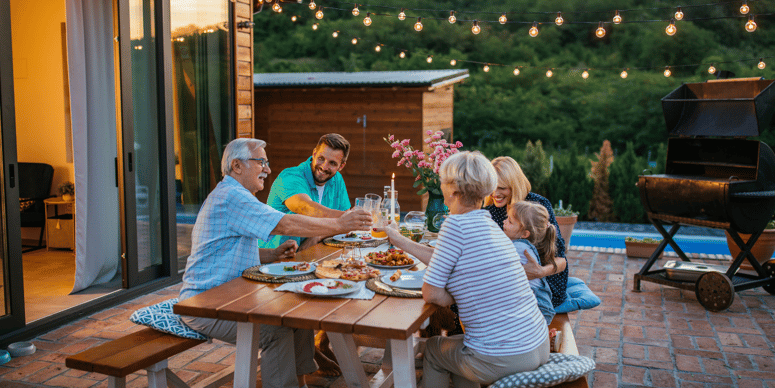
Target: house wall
[(292, 121), (38, 67)]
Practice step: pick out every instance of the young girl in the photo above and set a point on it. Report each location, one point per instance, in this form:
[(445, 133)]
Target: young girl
[(528, 227)]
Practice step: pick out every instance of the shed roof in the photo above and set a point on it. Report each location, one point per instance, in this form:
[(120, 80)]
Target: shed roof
[(416, 78)]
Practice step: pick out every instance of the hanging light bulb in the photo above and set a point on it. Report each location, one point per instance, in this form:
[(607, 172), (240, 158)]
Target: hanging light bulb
[(744, 9), (453, 62), (354, 41), (670, 29), (335, 34), (475, 28), (549, 73), (276, 7), (293, 18), (761, 64), (502, 19), (617, 18), (585, 74), (559, 20), (679, 14), (667, 72), (356, 11), (378, 48), (401, 15), (402, 55), (315, 26), (429, 59), (600, 32), (534, 30), (623, 74), (418, 25), (312, 4), (712, 69), (486, 68), (516, 71), (367, 19), (319, 14), (750, 26), (452, 19)]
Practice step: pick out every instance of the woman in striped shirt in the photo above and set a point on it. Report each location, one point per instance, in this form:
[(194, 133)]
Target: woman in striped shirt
[(476, 266)]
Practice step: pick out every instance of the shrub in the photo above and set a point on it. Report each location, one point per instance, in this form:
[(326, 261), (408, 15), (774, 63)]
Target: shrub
[(535, 165), (570, 183), (560, 211), (601, 207), (624, 194)]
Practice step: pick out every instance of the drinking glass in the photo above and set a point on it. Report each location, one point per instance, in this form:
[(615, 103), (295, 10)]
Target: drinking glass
[(347, 252), (439, 219), (415, 224), (360, 203)]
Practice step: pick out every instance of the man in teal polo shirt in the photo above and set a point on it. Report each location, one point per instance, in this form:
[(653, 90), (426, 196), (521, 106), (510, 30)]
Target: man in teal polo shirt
[(313, 188)]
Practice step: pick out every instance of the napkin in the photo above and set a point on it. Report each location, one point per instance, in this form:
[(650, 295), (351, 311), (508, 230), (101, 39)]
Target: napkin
[(363, 293)]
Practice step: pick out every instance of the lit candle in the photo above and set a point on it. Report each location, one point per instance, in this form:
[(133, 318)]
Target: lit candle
[(392, 197)]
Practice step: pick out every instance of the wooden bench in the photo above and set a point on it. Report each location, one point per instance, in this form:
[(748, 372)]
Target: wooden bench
[(146, 349), (561, 322)]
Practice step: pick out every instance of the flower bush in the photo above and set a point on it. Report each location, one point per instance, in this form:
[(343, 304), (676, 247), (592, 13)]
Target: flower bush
[(424, 167)]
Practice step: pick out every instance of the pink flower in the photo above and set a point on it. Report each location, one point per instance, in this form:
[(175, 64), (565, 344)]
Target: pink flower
[(405, 142), (395, 144), (408, 154), (397, 153), (458, 144), (436, 136), (391, 137)]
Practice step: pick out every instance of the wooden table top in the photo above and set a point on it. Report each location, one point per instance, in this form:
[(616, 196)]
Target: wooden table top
[(244, 300)]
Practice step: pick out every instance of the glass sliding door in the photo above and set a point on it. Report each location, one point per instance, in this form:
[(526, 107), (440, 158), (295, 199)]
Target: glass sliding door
[(203, 105)]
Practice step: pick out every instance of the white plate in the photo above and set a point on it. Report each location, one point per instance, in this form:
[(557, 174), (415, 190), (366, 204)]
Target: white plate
[(414, 262), (408, 280), (278, 269), (342, 238), (329, 292)]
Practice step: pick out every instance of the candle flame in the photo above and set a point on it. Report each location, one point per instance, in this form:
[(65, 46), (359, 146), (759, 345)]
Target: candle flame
[(394, 176)]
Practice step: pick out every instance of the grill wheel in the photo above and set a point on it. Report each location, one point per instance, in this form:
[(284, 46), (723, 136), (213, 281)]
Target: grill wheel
[(769, 270), (715, 291)]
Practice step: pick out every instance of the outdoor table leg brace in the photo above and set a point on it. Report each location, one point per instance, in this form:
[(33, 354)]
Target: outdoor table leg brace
[(397, 363)]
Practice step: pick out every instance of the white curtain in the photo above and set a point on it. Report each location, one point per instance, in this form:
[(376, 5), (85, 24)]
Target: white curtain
[(93, 112)]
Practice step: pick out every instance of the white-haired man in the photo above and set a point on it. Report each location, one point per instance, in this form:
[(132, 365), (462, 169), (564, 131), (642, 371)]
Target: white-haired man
[(225, 242)]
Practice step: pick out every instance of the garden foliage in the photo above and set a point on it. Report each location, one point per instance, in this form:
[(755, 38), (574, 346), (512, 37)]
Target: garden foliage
[(623, 176), (601, 206), (535, 165), (570, 182)]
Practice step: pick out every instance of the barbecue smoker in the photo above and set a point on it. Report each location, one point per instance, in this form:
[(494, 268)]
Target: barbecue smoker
[(715, 178)]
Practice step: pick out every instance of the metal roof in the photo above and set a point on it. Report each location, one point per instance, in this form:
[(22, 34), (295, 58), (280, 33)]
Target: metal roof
[(417, 78)]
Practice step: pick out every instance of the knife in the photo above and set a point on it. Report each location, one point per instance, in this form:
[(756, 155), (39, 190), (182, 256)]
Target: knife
[(383, 286)]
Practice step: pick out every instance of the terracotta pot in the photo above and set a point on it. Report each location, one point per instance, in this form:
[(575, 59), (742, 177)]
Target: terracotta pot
[(641, 249), (762, 250), (566, 224)]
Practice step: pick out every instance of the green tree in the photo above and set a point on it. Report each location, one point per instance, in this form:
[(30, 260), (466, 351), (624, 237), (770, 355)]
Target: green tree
[(570, 183), (624, 193), (535, 165)]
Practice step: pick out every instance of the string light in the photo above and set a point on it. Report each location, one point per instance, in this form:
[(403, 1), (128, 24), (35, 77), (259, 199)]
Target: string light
[(354, 41), (429, 59), (502, 19), (401, 15), (335, 34), (750, 26), (623, 74), (534, 30), (670, 30), (402, 55), (712, 69), (679, 14), (486, 68), (356, 11), (293, 18), (600, 32), (315, 26), (453, 62), (549, 73), (744, 9), (559, 20), (667, 72), (516, 71), (585, 74), (617, 18), (319, 14), (452, 19), (276, 7), (367, 19), (418, 25), (761, 64), (378, 48), (312, 4), (475, 28)]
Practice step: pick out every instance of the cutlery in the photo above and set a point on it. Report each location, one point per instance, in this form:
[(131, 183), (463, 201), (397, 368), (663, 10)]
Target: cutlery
[(389, 288)]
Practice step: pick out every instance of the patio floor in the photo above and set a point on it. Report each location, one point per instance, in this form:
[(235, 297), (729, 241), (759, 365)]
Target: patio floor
[(660, 337)]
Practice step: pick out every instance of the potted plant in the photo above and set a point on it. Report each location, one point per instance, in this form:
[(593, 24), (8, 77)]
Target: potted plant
[(641, 247), (762, 250), (566, 219), (67, 191)]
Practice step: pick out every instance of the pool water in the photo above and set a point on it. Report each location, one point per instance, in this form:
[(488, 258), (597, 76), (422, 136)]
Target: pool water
[(689, 244)]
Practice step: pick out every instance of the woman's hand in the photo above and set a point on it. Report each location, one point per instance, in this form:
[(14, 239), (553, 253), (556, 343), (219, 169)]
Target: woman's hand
[(533, 270), (286, 251)]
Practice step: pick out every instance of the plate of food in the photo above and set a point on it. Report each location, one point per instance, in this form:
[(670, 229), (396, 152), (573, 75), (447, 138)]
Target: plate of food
[(327, 287), (357, 237), (288, 268), (404, 279), (392, 258), (349, 269)]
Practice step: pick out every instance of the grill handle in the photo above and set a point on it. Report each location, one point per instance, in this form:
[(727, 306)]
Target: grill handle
[(755, 194)]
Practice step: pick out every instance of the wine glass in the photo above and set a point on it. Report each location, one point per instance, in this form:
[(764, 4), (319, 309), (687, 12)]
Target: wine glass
[(415, 225), (439, 219)]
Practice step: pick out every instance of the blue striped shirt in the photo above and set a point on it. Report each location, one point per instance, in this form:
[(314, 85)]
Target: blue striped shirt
[(224, 241), (478, 265)]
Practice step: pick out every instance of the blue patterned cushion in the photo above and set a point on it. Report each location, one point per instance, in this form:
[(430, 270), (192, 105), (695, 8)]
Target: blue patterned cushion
[(559, 369), (578, 297), (161, 318)]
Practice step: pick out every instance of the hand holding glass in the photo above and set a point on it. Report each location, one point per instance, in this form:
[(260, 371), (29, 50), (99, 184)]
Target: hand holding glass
[(415, 225)]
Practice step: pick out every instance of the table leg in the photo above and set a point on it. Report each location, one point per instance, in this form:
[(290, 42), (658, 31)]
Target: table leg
[(347, 355), (246, 360), (402, 360)]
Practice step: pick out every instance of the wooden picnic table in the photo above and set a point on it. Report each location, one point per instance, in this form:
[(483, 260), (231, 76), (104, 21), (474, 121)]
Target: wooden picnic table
[(251, 303)]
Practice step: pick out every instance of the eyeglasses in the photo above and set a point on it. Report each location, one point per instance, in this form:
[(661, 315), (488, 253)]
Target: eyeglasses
[(261, 162)]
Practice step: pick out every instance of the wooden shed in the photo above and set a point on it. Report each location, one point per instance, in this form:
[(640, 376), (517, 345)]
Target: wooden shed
[(292, 111)]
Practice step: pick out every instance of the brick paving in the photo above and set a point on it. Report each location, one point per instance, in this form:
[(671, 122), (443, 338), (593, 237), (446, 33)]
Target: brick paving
[(660, 337)]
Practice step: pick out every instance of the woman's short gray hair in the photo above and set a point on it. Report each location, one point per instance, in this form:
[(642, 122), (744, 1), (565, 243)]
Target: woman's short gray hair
[(472, 175), (241, 149)]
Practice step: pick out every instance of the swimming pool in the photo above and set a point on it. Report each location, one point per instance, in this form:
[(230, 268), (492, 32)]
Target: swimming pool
[(610, 239)]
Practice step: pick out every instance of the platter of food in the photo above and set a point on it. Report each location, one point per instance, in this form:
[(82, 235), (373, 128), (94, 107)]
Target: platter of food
[(327, 287), (390, 259), (289, 268), (350, 269), (357, 237), (404, 279)]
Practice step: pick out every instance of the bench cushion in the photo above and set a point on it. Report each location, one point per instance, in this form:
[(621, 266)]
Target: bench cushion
[(559, 369), (161, 318), (578, 297)]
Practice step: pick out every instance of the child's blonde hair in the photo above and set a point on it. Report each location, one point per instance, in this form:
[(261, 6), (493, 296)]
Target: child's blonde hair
[(535, 219)]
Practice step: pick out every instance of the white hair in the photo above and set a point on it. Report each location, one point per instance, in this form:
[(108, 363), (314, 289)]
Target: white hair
[(241, 149), (472, 174)]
